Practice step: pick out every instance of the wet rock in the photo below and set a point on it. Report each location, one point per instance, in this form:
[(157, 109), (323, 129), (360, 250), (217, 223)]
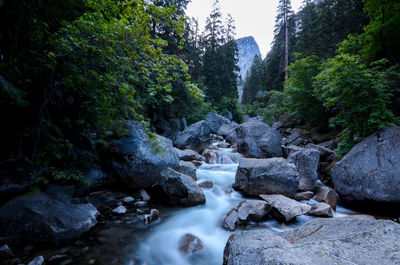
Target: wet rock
[(5, 252), (223, 145), (304, 196), (258, 140), (190, 244), (187, 168), (230, 220), (56, 259), (285, 209), (196, 136), (321, 209), (319, 241), (45, 219), (306, 161), (128, 199), (140, 204), (326, 195), (178, 188), (119, 210), (138, 160), (216, 121), (370, 171), (188, 155), (37, 261), (226, 129), (253, 210), (152, 216), (207, 184), (142, 195), (104, 200), (267, 176)]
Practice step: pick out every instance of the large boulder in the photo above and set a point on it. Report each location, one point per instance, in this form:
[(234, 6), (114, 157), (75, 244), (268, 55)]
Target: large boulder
[(187, 168), (227, 128), (40, 218), (285, 209), (370, 172), (258, 140), (196, 136), (138, 160), (216, 121), (177, 188), (191, 244), (347, 241), (267, 176), (306, 161)]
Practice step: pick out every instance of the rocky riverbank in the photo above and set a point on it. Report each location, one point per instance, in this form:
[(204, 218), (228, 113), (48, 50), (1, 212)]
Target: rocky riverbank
[(285, 173)]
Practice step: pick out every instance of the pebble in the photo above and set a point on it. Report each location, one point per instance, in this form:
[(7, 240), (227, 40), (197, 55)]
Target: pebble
[(140, 204), (128, 199), (119, 210)]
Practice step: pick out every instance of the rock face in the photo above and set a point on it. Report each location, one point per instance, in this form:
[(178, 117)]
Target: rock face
[(248, 48), (178, 188), (306, 161), (346, 241), (266, 176), (39, 218), (216, 121), (285, 209), (195, 137), (258, 140), (190, 244), (138, 160), (370, 171)]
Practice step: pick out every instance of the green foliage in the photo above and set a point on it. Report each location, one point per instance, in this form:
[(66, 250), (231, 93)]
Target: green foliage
[(359, 95), (274, 106), (229, 104), (303, 101)]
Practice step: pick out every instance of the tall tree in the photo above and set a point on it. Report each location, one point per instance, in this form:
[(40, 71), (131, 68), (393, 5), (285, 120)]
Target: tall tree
[(254, 82), (284, 12)]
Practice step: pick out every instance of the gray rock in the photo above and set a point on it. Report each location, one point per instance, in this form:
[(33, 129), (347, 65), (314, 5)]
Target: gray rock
[(288, 149), (178, 188), (267, 176), (226, 129), (304, 196), (321, 209), (152, 216), (207, 184), (306, 162), (258, 140), (326, 195), (190, 244), (346, 241), (223, 145), (196, 136), (62, 193), (285, 209), (128, 199), (216, 121), (142, 195), (324, 151), (187, 168), (188, 155), (97, 177), (37, 261), (119, 210), (5, 252), (252, 210), (10, 190), (296, 138), (140, 204), (44, 219), (230, 221), (370, 171), (138, 160)]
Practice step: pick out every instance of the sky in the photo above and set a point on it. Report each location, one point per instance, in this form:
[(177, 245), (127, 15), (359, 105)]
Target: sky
[(252, 17)]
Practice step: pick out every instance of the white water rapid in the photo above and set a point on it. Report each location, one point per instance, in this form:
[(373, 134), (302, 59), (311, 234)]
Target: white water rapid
[(161, 246)]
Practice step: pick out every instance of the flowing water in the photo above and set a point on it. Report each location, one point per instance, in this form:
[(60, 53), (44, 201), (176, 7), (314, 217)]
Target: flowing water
[(161, 246)]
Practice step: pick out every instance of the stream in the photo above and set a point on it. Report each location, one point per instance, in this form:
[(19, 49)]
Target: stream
[(161, 245)]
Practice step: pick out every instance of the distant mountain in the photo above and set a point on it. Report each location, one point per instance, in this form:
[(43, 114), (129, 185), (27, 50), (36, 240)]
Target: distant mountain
[(248, 48)]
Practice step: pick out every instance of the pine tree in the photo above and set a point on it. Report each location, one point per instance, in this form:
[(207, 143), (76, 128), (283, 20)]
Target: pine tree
[(284, 12), (254, 82)]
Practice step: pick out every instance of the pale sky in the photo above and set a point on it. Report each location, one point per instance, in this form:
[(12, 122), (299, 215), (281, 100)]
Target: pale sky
[(252, 17)]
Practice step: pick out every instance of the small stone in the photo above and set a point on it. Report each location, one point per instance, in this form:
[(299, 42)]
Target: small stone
[(321, 209), (141, 204), (85, 249), (119, 210), (304, 196), (190, 244), (154, 214), (206, 184), (37, 261), (128, 199), (5, 252), (139, 211)]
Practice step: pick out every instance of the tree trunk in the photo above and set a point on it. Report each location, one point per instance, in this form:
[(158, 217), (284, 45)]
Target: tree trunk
[(286, 44)]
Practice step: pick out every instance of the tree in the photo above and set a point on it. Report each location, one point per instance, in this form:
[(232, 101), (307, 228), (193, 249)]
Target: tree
[(284, 12), (254, 83)]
